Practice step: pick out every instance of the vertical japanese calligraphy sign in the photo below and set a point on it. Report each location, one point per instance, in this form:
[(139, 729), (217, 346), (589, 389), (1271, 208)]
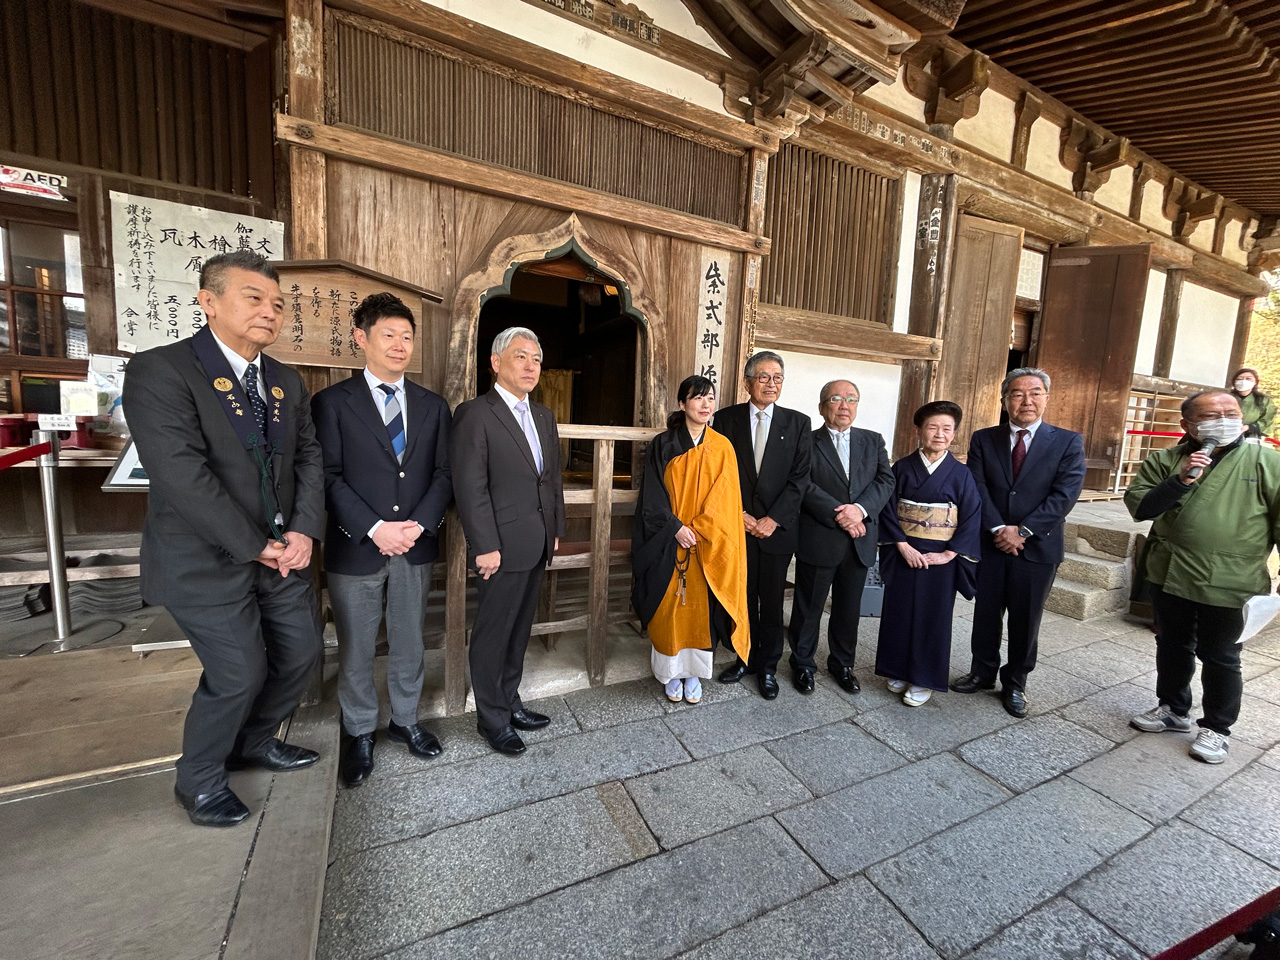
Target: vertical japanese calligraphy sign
[(158, 248), (712, 315)]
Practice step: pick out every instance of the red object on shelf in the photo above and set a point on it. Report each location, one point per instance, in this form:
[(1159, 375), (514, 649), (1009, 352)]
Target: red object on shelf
[(15, 431), (26, 453), (70, 438)]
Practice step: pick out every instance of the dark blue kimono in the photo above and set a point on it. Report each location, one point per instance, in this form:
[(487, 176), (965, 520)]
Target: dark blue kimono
[(915, 625)]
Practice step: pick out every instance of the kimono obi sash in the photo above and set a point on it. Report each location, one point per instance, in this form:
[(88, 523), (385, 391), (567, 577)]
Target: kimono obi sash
[(928, 521)]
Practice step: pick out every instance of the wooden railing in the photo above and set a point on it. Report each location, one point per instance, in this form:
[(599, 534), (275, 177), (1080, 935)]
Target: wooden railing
[(602, 497)]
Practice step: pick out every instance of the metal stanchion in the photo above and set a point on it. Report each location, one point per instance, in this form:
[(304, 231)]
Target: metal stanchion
[(48, 464)]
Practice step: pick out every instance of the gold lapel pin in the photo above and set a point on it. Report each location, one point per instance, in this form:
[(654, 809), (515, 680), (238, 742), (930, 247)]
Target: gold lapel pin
[(222, 384)]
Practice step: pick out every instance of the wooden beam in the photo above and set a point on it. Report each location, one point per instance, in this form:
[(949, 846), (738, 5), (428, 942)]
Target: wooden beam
[(1168, 331), (430, 164), (494, 45), (806, 331), (1225, 276), (752, 25), (304, 59), (1142, 175), (598, 585), (965, 79), (1028, 112), (1240, 340), (181, 21)]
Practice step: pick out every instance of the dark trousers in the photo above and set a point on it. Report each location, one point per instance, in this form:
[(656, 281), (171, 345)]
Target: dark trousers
[(1190, 630), (507, 604), (258, 653), (766, 584), (845, 584), (1015, 585)]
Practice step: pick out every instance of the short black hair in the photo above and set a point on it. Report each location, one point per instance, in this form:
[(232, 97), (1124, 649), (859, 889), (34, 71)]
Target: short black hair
[(380, 306), (938, 408), (213, 274)]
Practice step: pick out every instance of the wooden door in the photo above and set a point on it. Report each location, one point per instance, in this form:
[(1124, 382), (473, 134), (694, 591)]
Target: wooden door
[(979, 322), (1088, 342)]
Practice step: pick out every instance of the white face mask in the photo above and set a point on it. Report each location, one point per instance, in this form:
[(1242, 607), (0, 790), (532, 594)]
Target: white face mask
[(1243, 386), (1221, 432)]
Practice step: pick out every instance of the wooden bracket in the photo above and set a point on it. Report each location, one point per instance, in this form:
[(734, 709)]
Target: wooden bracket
[(1142, 175), (798, 64), (951, 87), (1090, 156), (1204, 207), (1028, 112), (1174, 192), (1228, 213)]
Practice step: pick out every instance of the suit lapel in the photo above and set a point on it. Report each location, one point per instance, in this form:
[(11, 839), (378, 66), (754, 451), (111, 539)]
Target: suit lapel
[(1036, 452), (822, 438), (506, 416), (541, 423), (360, 400), (1004, 451), (416, 416)]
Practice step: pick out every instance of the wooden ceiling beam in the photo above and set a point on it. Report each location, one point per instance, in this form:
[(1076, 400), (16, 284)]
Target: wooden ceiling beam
[(998, 17), (1216, 108), (1124, 17), (182, 21), (752, 25), (259, 8), (708, 23), (1107, 87)]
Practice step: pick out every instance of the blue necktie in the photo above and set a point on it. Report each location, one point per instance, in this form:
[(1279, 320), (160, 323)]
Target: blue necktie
[(256, 403), (526, 424), (394, 419)]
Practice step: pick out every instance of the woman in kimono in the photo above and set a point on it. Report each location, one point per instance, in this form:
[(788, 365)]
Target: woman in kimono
[(689, 548), (929, 549)]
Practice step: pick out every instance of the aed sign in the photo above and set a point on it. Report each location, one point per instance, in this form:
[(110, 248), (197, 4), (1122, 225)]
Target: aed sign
[(33, 183)]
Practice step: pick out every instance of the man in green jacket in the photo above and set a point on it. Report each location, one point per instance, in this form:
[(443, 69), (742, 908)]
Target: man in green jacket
[(1217, 516)]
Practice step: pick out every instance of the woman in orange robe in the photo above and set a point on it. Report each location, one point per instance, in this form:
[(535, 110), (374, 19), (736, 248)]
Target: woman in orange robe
[(689, 548)]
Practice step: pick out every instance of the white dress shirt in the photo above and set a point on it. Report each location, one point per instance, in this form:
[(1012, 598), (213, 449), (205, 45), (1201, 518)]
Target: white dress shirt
[(755, 419), (380, 402), (239, 365)]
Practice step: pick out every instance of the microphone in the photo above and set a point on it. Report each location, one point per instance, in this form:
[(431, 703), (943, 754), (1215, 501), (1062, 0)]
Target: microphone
[(1206, 448)]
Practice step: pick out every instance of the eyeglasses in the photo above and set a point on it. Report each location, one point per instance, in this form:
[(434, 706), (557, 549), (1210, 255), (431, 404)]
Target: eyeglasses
[(1019, 395), (765, 379), (849, 400)]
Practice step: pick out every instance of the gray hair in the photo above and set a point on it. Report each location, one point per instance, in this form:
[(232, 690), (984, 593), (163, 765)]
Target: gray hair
[(763, 356), (830, 384), (503, 340), (1189, 404), (1013, 375)]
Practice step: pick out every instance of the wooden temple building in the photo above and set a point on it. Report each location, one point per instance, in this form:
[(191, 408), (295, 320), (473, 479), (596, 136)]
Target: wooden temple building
[(917, 195)]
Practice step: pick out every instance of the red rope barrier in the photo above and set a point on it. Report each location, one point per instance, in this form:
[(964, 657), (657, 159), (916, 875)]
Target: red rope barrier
[(26, 453), (1158, 433), (1228, 926)]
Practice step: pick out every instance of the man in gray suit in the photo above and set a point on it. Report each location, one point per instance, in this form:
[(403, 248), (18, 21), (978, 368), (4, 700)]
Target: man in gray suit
[(505, 453), (236, 498), (849, 484)]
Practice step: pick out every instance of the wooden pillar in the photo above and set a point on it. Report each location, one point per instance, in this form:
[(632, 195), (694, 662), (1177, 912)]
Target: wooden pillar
[(1240, 342), (1168, 331), (930, 281), (601, 534), (304, 55), (455, 617), (753, 222)]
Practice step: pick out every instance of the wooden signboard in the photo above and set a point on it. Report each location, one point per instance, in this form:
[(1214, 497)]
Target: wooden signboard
[(320, 298)]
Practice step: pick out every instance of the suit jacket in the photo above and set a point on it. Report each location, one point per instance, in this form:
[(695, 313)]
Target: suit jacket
[(206, 519), (778, 490), (504, 503), (869, 483), (363, 482), (1048, 486)]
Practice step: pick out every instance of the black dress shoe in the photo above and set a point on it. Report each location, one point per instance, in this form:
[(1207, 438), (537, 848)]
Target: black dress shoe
[(505, 740), (1015, 702), (222, 808), (279, 756), (802, 680), (524, 719), (357, 762), (971, 683), (421, 743), (845, 677), (733, 673), (768, 684)]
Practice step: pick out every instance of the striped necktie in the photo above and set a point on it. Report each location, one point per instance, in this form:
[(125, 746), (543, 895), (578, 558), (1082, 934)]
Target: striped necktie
[(256, 403), (394, 420)]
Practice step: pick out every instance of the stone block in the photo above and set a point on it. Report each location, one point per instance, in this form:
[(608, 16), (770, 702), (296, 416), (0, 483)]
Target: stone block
[(653, 909), (1104, 663), (1174, 883), (693, 800), (383, 811), (1059, 930), (1082, 602), (721, 727), (960, 886), (1049, 688), (945, 722), (1258, 724), (1064, 634), (1027, 754), (1153, 775), (1244, 811), (1108, 541), (835, 756), (1105, 572), (1109, 711), (1265, 687), (600, 707), (382, 899), (712, 693), (850, 829), (818, 927)]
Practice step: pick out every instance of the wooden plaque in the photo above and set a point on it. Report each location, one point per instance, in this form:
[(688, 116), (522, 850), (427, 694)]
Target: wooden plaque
[(320, 297)]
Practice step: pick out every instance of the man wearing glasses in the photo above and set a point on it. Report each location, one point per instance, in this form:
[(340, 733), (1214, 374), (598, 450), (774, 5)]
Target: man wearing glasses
[(1029, 475), (773, 446), (849, 484)]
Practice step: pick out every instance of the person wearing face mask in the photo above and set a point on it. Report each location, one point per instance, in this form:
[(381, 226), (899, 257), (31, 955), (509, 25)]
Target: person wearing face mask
[(1256, 408), (1217, 517)]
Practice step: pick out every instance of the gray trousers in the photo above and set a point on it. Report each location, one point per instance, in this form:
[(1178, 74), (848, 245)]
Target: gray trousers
[(399, 589)]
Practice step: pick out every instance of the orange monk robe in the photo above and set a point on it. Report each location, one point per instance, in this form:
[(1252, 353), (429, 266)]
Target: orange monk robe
[(702, 485)]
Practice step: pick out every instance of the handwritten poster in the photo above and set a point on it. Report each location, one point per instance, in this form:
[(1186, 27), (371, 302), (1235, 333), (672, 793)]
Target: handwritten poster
[(711, 315), (158, 248)]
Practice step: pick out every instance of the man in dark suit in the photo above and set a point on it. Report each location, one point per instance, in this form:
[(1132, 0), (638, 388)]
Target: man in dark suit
[(849, 484), (773, 447), (386, 476), (236, 498), (1029, 475), (505, 453)]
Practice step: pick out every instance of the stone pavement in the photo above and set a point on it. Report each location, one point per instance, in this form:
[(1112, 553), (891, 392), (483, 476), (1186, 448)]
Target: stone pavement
[(826, 826)]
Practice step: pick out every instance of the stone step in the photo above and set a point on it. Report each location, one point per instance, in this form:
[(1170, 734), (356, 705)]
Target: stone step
[(1095, 571), (1080, 601), (1109, 542)]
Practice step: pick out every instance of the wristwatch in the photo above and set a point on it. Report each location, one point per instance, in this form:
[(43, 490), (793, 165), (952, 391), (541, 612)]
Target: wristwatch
[(1025, 533)]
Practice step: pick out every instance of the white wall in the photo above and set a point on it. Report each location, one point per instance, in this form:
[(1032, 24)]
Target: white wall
[(1117, 191), (906, 251), (674, 16), (991, 129), (1145, 361), (555, 33), (897, 97), (877, 384), (1206, 327), (1042, 154)]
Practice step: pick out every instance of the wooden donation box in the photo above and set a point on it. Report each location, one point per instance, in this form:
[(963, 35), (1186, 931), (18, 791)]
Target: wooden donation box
[(320, 299)]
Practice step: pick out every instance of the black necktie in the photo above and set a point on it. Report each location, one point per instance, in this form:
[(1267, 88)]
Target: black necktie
[(255, 400)]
